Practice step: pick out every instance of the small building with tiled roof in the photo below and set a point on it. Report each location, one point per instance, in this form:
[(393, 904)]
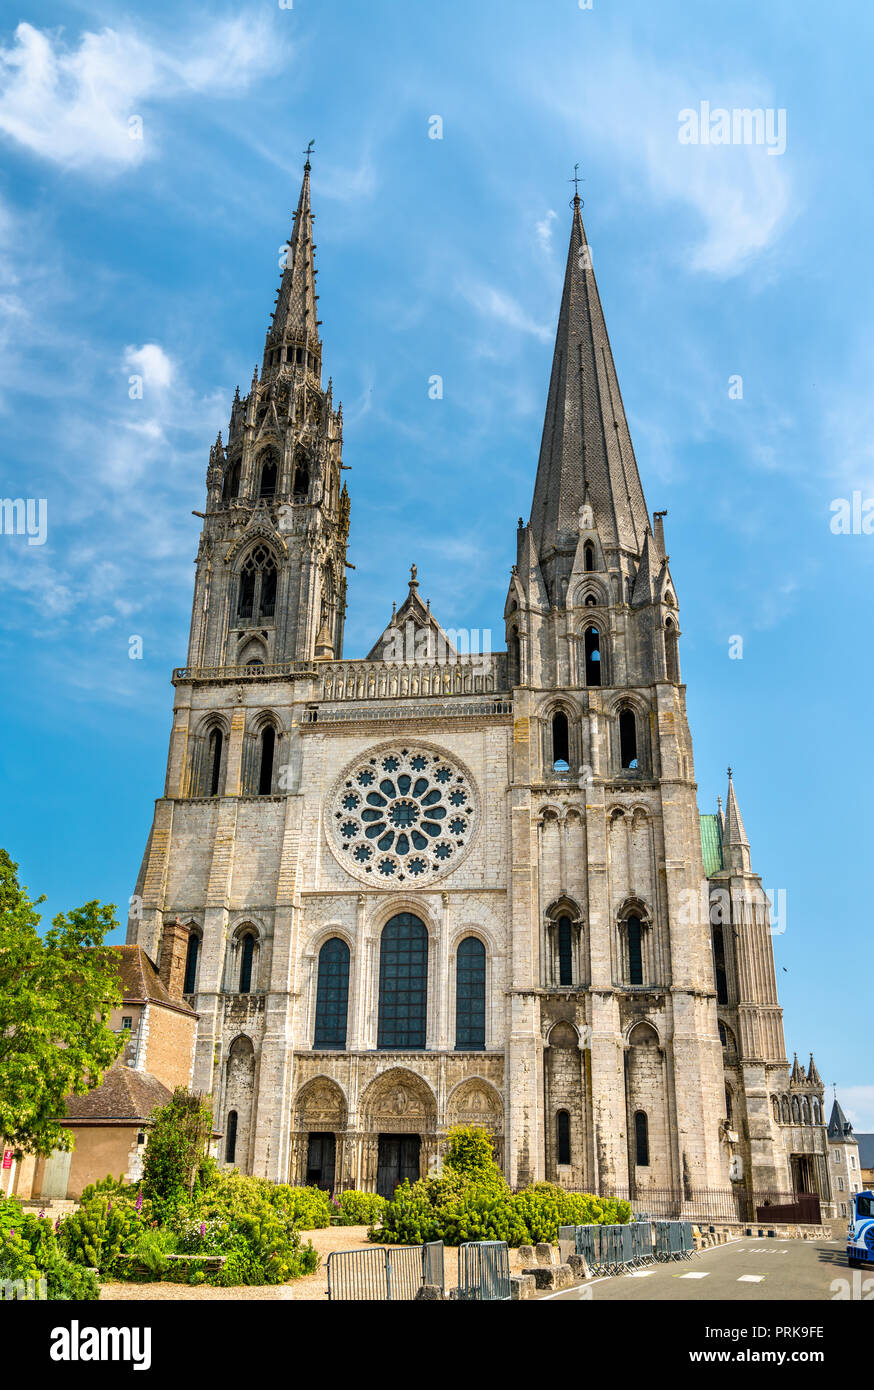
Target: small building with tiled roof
[(110, 1123), (843, 1159)]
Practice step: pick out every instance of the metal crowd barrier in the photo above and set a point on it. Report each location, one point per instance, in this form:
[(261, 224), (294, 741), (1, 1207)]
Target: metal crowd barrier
[(386, 1274), (484, 1271), (609, 1249), (673, 1240)]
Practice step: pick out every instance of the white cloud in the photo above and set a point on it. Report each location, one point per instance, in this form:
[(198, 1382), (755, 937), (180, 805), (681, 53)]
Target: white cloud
[(151, 363), (496, 304), (544, 231), (858, 1105), (742, 197), (78, 106)]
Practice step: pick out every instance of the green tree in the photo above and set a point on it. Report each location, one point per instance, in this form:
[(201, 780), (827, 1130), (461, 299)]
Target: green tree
[(176, 1154), (57, 991)]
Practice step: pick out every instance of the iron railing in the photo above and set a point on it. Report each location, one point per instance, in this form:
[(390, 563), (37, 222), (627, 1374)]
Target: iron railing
[(384, 1273), (737, 1205)]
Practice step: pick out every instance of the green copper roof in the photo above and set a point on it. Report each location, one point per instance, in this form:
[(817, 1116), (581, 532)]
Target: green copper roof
[(711, 845)]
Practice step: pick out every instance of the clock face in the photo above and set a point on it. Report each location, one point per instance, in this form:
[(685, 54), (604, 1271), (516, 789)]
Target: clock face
[(403, 814)]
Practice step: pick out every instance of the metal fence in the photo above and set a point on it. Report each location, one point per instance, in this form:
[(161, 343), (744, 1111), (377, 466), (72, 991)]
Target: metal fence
[(484, 1271), (616, 1249), (386, 1274)]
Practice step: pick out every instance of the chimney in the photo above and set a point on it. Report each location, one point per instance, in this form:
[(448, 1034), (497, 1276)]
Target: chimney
[(174, 952)]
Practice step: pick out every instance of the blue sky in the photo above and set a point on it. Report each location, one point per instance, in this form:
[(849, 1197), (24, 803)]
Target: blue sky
[(159, 256)]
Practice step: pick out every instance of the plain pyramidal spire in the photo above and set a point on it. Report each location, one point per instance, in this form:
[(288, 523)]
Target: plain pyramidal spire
[(586, 450)]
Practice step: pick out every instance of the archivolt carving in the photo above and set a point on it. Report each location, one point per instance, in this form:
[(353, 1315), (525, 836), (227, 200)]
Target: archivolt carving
[(475, 1102), (399, 1100), (320, 1105)]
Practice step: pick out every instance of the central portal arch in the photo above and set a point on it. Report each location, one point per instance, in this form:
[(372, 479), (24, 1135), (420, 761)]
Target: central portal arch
[(399, 1114)]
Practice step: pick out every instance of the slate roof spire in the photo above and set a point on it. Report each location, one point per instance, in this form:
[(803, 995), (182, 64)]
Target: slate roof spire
[(586, 446), (839, 1126), (295, 315), (736, 846)]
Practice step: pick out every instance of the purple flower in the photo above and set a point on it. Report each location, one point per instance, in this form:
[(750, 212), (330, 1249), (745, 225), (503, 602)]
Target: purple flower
[(57, 1225), (41, 1213), (203, 1228), (139, 1202), (109, 1205)]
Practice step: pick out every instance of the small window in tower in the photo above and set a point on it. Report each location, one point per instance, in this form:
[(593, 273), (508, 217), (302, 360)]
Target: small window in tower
[(289, 354), (247, 955), (268, 477), (215, 761), (560, 743), (191, 964), (628, 739), (247, 593), (592, 641), (298, 357), (231, 1140), (591, 601), (301, 481), (641, 1140), (268, 592), (635, 951), (563, 1137), (728, 1104), (268, 746), (565, 952), (672, 658), (719, 966), (589, 557)]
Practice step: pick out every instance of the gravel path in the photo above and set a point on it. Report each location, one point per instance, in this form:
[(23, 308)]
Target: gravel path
[(313, 1287)]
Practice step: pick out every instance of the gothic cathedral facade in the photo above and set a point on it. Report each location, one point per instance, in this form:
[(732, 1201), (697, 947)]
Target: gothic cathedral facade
[(433, 885)]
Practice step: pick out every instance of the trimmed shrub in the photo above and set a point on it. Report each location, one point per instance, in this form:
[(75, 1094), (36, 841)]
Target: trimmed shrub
[(360, 1208), (29, 1249)]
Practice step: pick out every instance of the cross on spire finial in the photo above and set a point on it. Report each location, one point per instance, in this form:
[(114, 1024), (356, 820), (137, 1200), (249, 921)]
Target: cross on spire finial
[(308, 151), (729, 774), (576, 181)]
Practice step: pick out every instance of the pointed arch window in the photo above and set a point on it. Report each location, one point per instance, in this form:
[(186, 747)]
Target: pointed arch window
[(563, 1137), (672, 657), (634, 929), (301, 486), (257, 596), (719, 966), (332, 996), (560, 742), (628, 739), (267, 755), (269, 474), (403, 984), (589, 557), (247, 958), (470, 996), (565, 951), (231, 1139), (641, 1139), (214, 761), (231, 487), (592, 646), (190, 982)]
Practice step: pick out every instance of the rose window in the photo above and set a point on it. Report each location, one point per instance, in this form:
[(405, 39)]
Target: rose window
[(403, 815)]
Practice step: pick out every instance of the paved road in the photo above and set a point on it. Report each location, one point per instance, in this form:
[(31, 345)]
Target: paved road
[(746, 1270)]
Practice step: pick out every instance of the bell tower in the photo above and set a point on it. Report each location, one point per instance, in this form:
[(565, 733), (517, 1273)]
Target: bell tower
[(271, 567)]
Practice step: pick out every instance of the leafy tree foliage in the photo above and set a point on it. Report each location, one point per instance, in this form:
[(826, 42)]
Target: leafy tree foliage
[(57, 991), (176, 1155)]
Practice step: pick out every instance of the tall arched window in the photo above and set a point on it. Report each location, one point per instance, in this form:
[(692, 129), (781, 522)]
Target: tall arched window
[(190, 981), (470, 996), (257, 598), (332, 996), (563, 1137), (565, 952), (514, 658), (267, 751), (589, 557), (269, 471), (301, 479), (641, 1140), (728, 1110), (635, 951), (560, 743), (403, 984), (719, 966), (214, 761), (231, 1138), (592, 644), (247, 956), (628, 739), (672, 658), (231, 487)]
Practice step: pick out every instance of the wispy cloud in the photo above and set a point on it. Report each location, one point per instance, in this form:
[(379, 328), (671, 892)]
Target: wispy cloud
[(85, 107), (501, 307)]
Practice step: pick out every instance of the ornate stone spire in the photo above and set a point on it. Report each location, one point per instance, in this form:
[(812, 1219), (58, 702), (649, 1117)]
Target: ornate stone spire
[(586, 451), (295, 321)]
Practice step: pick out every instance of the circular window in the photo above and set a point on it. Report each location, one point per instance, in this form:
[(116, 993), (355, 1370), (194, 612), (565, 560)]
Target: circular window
[(402, 814)]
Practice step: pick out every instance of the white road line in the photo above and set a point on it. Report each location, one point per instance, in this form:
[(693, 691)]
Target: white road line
[(751, 1278)]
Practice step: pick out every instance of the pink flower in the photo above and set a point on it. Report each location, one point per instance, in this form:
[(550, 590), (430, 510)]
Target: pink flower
[(203, 1228), (139, 1202)]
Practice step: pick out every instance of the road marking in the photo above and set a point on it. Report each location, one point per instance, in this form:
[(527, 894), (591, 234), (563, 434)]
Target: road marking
[(702, 1274), (641, 1273), (751, 1278)]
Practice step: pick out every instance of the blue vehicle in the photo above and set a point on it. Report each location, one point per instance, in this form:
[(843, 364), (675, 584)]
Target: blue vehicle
[(860, 1233)]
